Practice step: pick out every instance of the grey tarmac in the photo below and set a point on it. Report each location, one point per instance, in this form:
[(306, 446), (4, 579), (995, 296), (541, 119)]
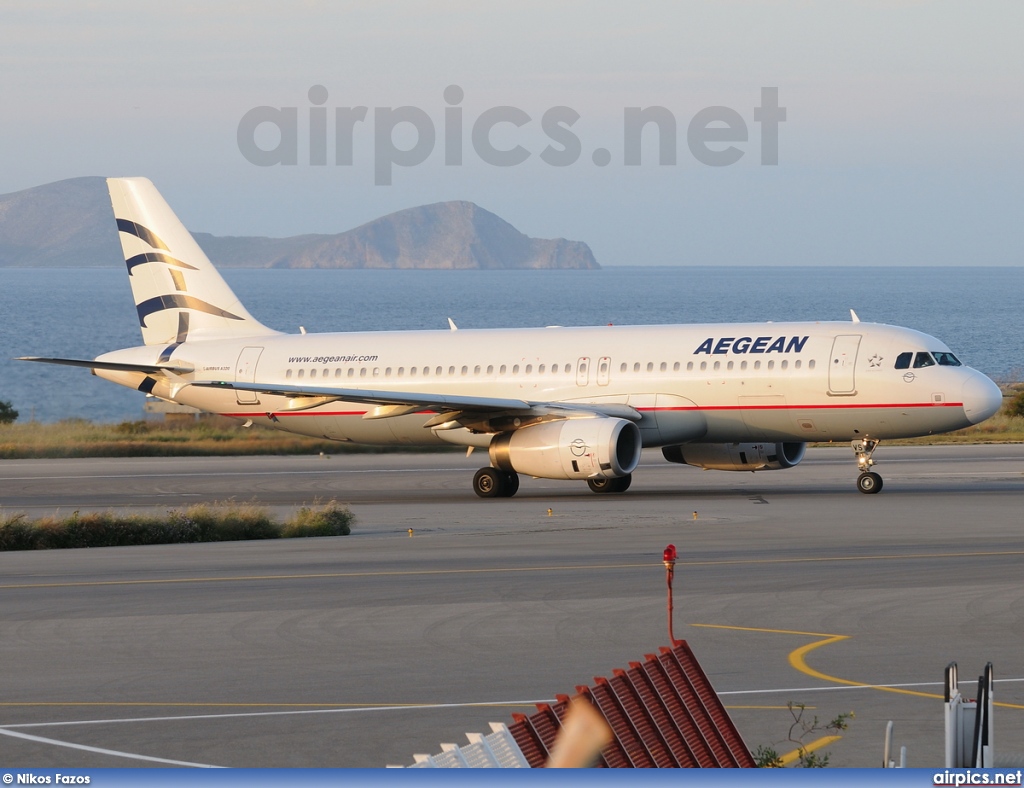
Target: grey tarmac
[(366, 649)]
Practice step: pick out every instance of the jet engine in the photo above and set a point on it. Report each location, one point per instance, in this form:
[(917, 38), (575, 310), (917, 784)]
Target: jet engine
[(737, 456), (600, 447)]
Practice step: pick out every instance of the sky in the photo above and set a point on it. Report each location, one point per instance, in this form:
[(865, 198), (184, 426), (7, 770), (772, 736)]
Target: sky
[(902, 143)]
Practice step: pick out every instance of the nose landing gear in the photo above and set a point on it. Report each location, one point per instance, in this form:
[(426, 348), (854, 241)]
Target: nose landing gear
[(868, 482)]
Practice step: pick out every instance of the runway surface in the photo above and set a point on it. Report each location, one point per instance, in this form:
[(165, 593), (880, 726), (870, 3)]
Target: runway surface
[(366, 649)]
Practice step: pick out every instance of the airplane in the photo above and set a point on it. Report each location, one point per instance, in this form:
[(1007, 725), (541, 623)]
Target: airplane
[(553, 402)]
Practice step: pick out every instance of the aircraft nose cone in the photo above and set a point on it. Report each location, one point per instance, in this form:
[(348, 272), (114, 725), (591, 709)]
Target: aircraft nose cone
[(981, 398)]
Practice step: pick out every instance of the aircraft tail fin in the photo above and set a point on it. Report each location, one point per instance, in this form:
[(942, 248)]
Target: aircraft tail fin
[(178, 293)]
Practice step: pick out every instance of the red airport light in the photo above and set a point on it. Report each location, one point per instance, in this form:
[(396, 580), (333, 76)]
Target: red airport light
[(670, 554)]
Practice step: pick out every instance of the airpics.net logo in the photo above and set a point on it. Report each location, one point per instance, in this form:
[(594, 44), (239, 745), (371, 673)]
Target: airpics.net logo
[(269, 136)]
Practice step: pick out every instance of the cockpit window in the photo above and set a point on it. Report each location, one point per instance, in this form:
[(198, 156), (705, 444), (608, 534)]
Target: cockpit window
[(946, 359), (903, 360), (923, 360)]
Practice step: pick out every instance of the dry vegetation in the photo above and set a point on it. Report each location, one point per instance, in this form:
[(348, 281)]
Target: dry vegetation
[(217, 522), (203, 437), (226, 437)]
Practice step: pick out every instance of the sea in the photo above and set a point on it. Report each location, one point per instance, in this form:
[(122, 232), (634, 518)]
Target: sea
[(80, 313)]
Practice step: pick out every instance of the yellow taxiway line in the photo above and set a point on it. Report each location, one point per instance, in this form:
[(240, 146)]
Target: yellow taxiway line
[(798, 662)]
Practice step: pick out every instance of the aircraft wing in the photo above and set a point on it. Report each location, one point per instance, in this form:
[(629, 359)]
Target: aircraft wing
[(396, 403), (114, 366)]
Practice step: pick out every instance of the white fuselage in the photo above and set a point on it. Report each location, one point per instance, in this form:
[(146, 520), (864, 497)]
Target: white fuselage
[(712, 383)]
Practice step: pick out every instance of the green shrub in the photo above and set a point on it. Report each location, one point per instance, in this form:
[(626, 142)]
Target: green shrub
[(330, 519), (1015, 407), (197, 523), (220, 523), (8, 415), (18, 534)]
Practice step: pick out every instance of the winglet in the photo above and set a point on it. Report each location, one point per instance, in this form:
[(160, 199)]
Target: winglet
[(451, 325), (853, 316)]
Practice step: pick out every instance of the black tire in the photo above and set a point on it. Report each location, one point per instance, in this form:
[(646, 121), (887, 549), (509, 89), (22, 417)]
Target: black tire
[(489, 483), (511, 484), (869, 483), (622, 483), (602, 485)]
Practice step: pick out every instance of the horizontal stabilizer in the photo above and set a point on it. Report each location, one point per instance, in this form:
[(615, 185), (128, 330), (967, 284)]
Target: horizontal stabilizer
[(114, 366)]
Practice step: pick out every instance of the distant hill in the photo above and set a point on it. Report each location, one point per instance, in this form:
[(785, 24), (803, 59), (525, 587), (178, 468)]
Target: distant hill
[(69, 223)]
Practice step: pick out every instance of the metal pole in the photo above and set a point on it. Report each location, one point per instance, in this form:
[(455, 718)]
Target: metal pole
[(669, 560)]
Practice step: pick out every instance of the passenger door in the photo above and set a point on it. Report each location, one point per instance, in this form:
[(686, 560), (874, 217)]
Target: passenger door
[(245, 372), (842, 364)]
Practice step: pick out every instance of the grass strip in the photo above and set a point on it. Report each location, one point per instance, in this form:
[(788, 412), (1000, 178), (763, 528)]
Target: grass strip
[(217, 436), (203, 522)]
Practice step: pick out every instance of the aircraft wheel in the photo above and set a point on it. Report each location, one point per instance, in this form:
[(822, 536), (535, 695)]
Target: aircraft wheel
[(489, 483), (511, 484), (606, 485), (492, 483), (869, 483), (622, 483)]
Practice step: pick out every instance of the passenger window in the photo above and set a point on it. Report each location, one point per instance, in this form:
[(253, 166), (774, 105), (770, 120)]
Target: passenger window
[(302, 373), (689, 366), (490, 369), (288, 373), (810, 364), (312, 373), (729, 365), (623, 367), (922, 360), (650, 366), (362, 372), (903, 360), (501, 369), (718, 365), (675, 367), (636, 367), (703, 366), (351, 371), (529, 369), (465, 370), (947, 359)]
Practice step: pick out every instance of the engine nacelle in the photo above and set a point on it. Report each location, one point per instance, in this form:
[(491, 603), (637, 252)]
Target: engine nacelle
[(737, 456), (570, 449)]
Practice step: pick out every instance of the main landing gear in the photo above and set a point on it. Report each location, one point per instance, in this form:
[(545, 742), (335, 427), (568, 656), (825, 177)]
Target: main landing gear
[(492, 483), (868, 482), (605, 485)]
